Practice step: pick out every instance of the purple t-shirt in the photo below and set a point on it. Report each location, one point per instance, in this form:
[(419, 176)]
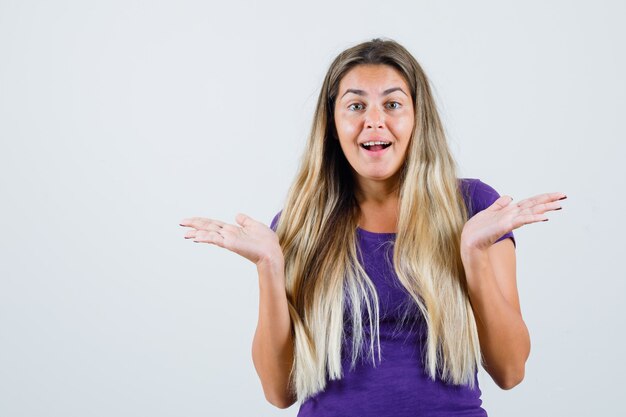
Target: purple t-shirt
[(398, 386)]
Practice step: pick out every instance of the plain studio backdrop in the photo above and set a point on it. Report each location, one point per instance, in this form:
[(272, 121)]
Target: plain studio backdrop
[(120, 118)]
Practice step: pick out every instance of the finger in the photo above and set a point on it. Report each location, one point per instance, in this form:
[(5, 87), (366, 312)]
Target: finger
[(231, 228), (212, 227), (540, 199), (524, 219), (214, 237), (192, 233), (542, 208), (501, 202), (201, 223), (243, 220)]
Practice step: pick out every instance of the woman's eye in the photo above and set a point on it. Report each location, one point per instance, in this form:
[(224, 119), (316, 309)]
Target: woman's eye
[(392, 105)]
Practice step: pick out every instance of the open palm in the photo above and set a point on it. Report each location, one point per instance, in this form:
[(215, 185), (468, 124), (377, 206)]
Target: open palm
[(251, 239), (484, 228)]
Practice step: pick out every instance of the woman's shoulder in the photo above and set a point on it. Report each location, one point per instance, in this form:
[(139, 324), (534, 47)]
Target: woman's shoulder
[(470, 184), (478, 194), (475, 185)]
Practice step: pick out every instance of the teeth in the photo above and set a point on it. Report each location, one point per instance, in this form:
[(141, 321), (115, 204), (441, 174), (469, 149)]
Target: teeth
[(372, 143)]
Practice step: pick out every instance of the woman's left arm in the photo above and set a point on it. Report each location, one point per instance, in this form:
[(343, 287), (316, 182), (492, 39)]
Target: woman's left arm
[(490, 274), (504, 337)]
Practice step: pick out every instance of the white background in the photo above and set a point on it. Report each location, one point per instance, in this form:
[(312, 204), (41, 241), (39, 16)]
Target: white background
[(120, 118)]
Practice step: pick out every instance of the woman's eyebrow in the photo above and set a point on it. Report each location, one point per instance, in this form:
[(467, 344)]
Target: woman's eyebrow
[(363, 93)]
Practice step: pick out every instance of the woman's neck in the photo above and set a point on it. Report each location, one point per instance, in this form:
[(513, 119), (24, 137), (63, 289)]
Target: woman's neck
[(378, 207)]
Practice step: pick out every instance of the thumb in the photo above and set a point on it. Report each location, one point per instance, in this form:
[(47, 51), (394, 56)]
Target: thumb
[(242, 219), (502, 202)]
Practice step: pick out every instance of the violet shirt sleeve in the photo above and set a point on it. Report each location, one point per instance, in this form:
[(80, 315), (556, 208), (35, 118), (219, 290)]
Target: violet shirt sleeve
[(274, 221), (482, 196)]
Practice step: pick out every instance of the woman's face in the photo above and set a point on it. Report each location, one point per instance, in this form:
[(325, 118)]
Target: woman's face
[(374, 104)]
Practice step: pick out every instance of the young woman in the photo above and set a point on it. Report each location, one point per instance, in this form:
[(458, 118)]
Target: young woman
[(385, 280)]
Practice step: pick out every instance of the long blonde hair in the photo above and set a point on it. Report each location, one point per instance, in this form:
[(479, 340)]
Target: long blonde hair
[(317, 233)]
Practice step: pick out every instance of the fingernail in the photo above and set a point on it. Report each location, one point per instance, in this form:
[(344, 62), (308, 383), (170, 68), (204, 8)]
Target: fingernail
[(563, 198), (560, 208), (545, 220)]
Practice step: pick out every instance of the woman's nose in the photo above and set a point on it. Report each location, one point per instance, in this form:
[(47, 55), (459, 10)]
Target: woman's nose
[(373, 117)]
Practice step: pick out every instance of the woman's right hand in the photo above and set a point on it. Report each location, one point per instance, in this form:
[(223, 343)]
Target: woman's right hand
[(252, 239)]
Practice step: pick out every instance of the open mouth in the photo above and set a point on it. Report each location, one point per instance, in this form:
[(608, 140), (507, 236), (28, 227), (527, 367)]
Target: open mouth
[(373, 147)]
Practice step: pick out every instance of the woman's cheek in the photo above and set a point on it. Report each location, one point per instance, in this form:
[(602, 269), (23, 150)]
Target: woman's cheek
[(349, 128)]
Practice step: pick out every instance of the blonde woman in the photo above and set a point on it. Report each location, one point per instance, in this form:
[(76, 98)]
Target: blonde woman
[(385, 280)]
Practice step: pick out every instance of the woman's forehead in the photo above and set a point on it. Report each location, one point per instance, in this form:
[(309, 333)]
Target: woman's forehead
[(372, 79)]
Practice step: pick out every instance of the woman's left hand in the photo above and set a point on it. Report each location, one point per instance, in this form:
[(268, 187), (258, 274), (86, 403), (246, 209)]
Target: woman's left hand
[(503, 216)]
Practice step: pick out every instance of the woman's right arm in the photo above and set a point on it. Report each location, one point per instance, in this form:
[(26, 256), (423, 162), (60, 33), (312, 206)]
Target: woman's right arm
[(272, 348)]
